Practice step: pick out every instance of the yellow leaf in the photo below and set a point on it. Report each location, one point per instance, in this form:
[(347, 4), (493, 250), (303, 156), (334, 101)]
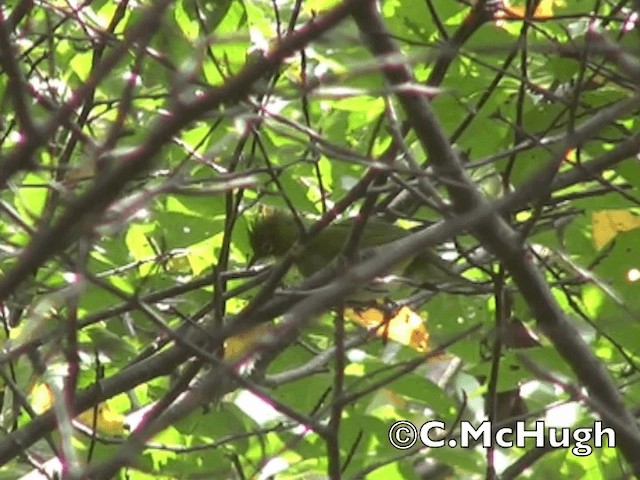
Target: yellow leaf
[(319, 6), (543, 11), (405, 326), (238, 346), (107, 421), (41, 398), (607, 224)]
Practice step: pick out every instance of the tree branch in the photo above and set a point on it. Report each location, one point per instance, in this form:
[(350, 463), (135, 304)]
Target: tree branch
[(502, 240)]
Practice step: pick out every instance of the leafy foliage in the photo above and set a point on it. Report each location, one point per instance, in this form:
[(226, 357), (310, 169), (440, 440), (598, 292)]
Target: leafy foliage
[(140, 142)]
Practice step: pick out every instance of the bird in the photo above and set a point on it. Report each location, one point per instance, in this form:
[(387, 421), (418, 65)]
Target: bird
[(276, 231)]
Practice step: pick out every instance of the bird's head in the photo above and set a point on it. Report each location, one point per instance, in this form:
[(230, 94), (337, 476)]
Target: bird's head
[(272, 234)]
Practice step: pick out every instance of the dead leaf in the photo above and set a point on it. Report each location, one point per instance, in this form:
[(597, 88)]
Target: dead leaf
[(404, 326)]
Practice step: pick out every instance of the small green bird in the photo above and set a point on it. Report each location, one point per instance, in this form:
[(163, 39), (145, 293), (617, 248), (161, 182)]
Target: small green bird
[(276, 231)]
